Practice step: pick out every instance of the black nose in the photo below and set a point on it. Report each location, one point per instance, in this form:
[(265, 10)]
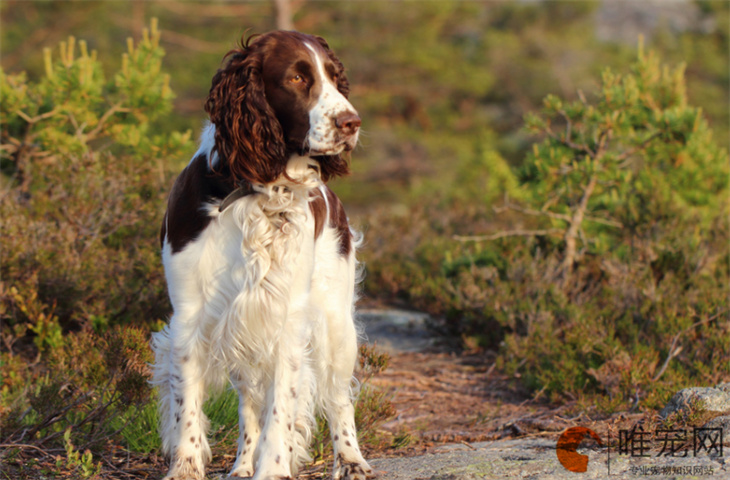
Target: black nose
[(348, 122)]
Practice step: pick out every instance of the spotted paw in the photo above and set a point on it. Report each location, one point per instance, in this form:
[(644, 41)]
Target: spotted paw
[(185, 469), (354, 471), (241, 472), (240, 475)]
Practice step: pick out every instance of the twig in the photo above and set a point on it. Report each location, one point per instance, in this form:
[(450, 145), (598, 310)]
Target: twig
[(604, 221), (118, 470), (643, 144), (674, 352), (37, 118), (556, 216), (117, 108), (571, 145), (23, 446), (529, 211), (511, 233)]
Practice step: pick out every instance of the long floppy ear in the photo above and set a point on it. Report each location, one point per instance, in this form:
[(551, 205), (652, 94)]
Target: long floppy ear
[(343, 85), (248, 137)]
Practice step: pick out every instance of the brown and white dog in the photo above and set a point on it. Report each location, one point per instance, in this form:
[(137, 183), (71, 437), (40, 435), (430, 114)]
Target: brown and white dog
[(260, 266)]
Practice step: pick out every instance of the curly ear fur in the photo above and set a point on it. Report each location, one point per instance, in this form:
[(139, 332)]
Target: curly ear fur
[(248, 138)]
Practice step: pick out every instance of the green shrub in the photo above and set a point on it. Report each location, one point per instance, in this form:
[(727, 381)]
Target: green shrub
[(84, 184), (626, 164), (639, 308)]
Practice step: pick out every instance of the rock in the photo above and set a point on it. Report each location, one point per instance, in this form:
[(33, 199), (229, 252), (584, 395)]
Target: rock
[(725, 387), (707, 399), (536, 459), (396, 331), (623, 22), (722, 422)]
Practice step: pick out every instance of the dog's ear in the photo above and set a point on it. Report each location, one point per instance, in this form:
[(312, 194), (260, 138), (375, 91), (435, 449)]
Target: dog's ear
[(343, 85), (248, 137)]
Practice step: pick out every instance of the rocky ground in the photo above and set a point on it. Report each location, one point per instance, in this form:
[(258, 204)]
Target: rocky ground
[(468, 422)]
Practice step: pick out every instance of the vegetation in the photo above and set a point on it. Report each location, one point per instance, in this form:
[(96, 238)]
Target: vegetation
[(82, 189), (620, 285), (589, 250), (83, 192)]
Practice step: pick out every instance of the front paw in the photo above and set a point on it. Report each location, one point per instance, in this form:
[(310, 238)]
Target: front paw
[(353, 471), (186, 469), (240, 474)]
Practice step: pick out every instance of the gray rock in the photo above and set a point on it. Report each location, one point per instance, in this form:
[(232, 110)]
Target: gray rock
[(722, 422), (535, 458), (396, 331), (623, 22), (725, 387), (707, 399)]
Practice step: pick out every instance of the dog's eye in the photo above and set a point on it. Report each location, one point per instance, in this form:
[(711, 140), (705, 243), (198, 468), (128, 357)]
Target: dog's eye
[(297, 79), (335, 78)]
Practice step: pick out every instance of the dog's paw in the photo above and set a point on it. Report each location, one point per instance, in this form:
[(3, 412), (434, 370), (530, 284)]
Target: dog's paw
[(239, 475), (354, 471), (178, 476), (186, 469), (241, 472)]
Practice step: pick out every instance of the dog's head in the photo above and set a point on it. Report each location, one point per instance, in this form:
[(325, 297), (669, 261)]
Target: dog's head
[(280, 94)]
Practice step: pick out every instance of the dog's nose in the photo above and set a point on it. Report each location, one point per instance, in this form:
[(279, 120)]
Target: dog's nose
[(348, 122)]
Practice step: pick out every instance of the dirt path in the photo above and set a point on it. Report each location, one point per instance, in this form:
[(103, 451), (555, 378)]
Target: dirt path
[(467, 421), (445, 397)]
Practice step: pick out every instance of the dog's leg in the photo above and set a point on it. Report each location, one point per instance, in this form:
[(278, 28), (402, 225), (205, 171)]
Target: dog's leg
[(179, 374), (337, 354), (249, 430), (276, 457), (349, 462)]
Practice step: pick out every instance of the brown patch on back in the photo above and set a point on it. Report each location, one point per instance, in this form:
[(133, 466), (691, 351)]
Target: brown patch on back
[(185, 218)]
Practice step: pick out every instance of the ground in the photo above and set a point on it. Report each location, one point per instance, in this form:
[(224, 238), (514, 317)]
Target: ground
[(442, 398)]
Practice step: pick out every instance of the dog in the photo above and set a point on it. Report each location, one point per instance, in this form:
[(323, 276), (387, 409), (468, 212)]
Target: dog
[(260, 266)]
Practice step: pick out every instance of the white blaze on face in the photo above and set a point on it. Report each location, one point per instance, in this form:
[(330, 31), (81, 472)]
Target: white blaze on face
[(323, 137)]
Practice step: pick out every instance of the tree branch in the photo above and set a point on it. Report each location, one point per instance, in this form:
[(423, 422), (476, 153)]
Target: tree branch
[(570, 144), (529, 211), (641, 146), (575, 224), (510, 233), (673, 352), (556, 216), (37, 118), (116, 108)]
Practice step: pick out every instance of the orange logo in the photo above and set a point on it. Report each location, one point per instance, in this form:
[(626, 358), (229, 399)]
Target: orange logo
[(568, 444)]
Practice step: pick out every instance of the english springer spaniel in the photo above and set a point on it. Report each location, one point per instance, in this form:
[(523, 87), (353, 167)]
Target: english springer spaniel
[(260, 266)]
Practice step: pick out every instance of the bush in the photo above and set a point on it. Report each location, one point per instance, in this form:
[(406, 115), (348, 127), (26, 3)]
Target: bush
[(84, 184), (627, 164), (637, 306)]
